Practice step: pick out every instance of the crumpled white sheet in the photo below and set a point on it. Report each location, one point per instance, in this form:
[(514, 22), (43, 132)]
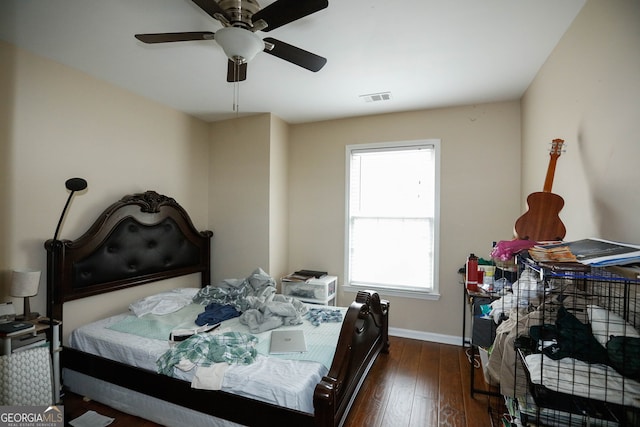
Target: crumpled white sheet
[(164, 302)]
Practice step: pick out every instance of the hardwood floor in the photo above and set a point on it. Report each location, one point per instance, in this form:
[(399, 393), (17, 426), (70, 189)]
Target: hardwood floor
[(422, 384), (418, 383)]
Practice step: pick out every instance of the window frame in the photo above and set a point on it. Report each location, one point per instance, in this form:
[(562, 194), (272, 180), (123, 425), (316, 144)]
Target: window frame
[(433, 293)]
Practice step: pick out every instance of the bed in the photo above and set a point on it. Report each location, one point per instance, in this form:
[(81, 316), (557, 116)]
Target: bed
[(148, 237)]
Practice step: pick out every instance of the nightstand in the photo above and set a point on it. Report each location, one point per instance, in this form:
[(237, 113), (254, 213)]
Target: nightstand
[(20, 341), (23, 339)]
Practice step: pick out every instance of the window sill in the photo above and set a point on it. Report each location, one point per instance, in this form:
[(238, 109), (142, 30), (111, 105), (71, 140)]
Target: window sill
[(393, 292)]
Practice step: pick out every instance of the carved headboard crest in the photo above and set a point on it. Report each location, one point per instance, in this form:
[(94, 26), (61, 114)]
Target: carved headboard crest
[(149, 201)]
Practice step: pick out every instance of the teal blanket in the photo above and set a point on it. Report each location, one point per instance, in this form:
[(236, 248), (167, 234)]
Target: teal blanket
[(159, 327)]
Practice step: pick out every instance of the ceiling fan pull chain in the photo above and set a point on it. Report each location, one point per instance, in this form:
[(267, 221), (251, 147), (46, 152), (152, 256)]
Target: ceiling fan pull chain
[(236, 98), (236, 87)]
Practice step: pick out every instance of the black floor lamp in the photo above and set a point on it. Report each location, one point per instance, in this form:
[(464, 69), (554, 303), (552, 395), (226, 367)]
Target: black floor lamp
[(73, 185)]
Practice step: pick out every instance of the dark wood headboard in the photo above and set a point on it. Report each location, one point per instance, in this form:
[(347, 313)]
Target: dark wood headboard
[(141, 238)]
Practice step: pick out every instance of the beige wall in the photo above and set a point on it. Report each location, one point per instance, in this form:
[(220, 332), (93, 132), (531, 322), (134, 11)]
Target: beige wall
[(588, 93), (249, 196), (279, 198), (239, 196), (479, 192), (57, 123)]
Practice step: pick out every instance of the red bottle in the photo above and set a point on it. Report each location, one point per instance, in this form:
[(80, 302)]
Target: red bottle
[(471, 279)]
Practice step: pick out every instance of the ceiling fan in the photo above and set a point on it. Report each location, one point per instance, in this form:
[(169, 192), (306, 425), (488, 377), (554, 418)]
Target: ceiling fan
[(240, 20)]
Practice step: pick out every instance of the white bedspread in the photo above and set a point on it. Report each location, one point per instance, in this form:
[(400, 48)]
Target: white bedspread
[(272, 379), (591, 380)]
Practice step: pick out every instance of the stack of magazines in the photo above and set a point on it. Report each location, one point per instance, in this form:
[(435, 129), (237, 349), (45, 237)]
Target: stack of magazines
[(594, 252)]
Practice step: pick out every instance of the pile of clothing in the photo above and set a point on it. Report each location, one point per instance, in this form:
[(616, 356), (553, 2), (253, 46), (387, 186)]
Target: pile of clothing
[(254, 299)]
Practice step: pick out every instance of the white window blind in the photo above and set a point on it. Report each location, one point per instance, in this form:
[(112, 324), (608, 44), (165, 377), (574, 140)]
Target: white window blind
[(391, 221)]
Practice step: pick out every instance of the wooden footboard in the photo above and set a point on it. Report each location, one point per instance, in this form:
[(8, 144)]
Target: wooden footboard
[(363, 336)]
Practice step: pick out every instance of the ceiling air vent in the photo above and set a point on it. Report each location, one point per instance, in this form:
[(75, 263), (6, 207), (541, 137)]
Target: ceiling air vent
[(375, 97)]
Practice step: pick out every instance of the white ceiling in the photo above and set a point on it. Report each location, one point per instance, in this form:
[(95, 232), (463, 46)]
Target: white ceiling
[(427, 53)]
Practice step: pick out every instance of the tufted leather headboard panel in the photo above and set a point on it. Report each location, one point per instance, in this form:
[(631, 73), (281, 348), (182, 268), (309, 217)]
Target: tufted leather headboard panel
[(140, 239), (136, 249)]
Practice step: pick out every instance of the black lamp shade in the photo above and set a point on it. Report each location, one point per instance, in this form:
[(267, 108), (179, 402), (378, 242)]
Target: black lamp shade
[(76, 184), (73, 185)]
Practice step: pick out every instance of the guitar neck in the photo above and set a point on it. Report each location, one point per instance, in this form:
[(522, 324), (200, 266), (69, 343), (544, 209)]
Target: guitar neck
[(548, 181), (553, 160)]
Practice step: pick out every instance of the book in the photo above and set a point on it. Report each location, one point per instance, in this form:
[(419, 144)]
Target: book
[(552, 253), (293, 277), (313, 273), (12, 328), (304, 275)]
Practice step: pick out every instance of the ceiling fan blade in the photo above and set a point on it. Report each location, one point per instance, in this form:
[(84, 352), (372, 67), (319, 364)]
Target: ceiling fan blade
[(282, 12), (236, 73), (175, 37), (295, 55), (212, 8)]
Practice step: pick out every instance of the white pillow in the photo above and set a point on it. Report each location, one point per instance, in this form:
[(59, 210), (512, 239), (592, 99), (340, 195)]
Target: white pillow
[(164, 302), (605, 323)]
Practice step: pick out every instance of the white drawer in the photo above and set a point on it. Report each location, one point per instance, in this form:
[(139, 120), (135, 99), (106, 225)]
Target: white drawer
[(320, 290)]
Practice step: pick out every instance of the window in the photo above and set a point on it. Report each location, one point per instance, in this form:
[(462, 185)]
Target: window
[(392, 221)]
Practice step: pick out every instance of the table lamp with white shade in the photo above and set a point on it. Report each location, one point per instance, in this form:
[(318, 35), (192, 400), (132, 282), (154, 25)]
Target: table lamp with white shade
[(25, 284)]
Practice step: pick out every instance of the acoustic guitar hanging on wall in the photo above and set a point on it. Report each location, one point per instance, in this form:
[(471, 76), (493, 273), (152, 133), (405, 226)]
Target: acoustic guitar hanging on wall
[(542, 221)]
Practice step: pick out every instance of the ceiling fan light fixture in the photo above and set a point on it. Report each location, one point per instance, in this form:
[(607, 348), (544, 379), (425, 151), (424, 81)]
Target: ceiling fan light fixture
[(239, 45)]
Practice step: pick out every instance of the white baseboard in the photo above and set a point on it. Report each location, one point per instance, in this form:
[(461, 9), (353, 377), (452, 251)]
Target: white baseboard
[(426, 336)]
